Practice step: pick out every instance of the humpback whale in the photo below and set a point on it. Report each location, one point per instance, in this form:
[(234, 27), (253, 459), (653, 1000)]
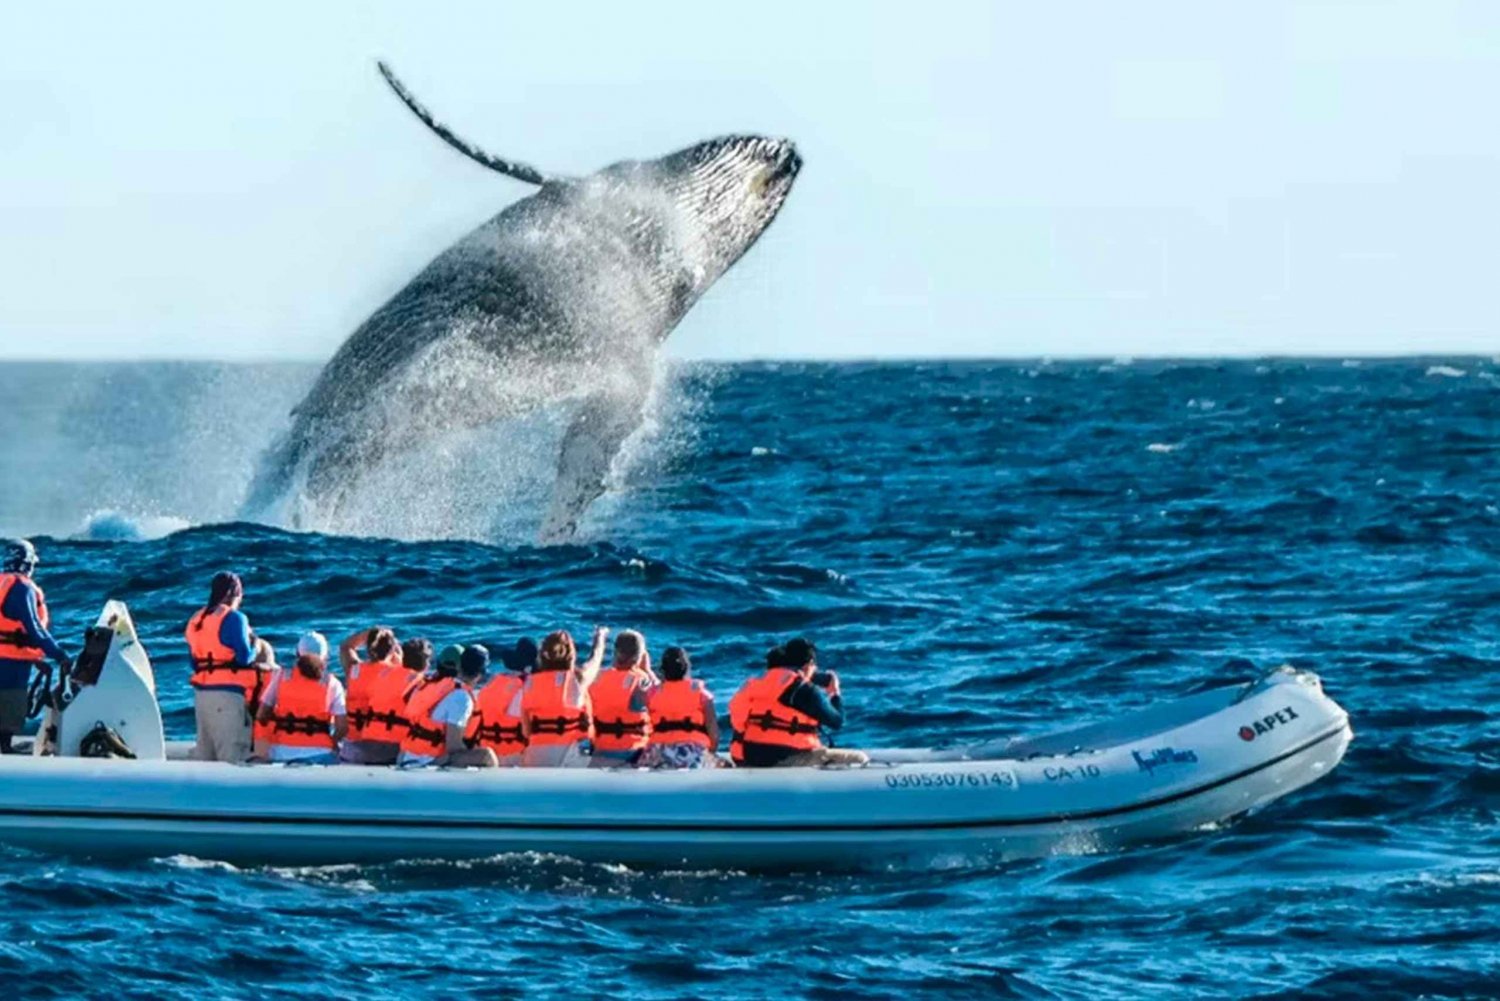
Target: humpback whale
[(565, 294)]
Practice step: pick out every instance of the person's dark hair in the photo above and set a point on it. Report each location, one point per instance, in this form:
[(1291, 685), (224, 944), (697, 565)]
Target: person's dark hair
[(558, 652), (675, 664), (310, 667), (775, 657), (628, 647), (380, 642), (476, 661), (799, 653), (522, 657), (416, 655), (223, 589)]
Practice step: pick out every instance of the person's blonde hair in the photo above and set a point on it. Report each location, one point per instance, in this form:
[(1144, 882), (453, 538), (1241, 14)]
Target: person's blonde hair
[(558, 651)]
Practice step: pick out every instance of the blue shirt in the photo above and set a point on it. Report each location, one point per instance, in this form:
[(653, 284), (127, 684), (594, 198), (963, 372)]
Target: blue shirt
[(20, 605), (234, 632)]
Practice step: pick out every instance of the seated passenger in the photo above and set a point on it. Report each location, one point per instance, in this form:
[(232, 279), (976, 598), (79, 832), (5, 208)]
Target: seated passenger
[(497, 712), (622, 723), (778, 717), (684, 725), (302, 709), (416, 656), (556, 716), (377, 690), (439, 714)]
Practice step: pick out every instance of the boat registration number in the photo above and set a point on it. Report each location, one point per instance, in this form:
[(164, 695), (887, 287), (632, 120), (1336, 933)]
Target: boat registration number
[(952, 780)]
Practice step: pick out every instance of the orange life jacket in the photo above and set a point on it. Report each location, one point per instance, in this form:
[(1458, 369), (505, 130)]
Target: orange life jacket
[(492, 725), (677, 715), (15, 642), (556, 708), (213, 662), (758, 715), (376, 699), (617, 727), (425, 736), (300, 716)]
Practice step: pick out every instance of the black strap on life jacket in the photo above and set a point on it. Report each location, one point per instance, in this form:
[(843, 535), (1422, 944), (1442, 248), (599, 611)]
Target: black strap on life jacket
[(428, 735), (559, 725), (313, 726), (19, 639), (684, 725), (362, 718), (619, 727), (495, 733), (767, 721)]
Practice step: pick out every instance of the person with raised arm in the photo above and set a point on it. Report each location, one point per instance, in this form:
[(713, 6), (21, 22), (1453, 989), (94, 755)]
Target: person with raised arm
[(556, 715)]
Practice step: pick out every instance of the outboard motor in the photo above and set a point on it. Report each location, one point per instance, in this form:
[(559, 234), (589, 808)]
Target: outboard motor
[(106, 706)]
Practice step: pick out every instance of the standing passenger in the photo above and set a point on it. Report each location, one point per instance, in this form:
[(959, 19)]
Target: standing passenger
[(226, 679), (684, 725), (25, 640), (439, 716), (622, 723), (303, 709), (497, 711), (555, 712), (378, 686)]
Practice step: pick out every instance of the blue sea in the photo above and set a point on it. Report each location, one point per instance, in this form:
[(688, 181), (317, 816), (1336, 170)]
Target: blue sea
[(980, 549)]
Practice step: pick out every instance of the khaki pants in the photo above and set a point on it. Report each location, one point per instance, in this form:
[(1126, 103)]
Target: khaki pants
[(223, 727), (555, 756), (472, 757), (368, 752), (825, 757)]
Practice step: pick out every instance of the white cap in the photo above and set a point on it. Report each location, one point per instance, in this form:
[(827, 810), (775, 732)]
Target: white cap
[(314, 644)]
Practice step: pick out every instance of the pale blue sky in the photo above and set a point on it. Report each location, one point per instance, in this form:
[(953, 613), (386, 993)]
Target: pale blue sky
[(194, 180)]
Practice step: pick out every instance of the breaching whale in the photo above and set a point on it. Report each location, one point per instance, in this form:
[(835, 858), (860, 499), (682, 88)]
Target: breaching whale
[(565, 294)]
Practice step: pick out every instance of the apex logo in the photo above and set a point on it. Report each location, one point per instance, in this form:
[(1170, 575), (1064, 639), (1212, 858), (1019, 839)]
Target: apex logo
[(1268, 723)]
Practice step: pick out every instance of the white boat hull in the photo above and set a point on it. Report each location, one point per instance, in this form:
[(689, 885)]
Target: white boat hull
[(1165, 771)]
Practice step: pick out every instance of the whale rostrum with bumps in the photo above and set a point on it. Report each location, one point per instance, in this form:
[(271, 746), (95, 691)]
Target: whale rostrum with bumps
[(565, 295), (1175, 766)]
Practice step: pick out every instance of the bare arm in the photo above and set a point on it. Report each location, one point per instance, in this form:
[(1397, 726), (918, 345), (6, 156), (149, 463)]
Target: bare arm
[(340, 728), (589, 669), (349, 649)]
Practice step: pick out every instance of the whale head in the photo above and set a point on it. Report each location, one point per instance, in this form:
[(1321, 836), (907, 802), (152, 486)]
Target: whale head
[(727, 191)]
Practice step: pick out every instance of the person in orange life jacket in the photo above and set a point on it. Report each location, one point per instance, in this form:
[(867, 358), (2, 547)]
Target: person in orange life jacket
[(622, 723), (779, 714), (556, 716), (303, 710), (684, 724), (25, 640), (377, 686), (439, 713), (226, 680), (496, 723)]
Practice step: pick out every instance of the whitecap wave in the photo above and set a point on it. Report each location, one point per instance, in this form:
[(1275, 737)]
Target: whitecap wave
[(1446, 371), (117, 526)]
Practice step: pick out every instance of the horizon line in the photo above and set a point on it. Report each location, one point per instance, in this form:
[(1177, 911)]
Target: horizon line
[(1123, 357)]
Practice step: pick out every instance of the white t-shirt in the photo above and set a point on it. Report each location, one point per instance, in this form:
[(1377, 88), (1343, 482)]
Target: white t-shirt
[(336, 707), (455, 709)]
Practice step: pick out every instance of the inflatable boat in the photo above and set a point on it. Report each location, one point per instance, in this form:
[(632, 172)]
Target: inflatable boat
[(1173, 768)]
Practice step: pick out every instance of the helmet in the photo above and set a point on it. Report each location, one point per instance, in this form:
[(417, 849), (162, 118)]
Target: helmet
[(17, 556)]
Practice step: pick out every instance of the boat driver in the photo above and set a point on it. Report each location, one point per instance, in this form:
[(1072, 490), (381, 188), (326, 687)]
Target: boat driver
[(25, 640)]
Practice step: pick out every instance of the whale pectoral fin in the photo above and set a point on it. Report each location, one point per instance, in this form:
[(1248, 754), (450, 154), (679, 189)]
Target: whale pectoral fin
[(511, 168), (592, 441)]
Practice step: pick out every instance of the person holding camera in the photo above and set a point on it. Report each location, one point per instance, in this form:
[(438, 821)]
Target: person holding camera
[(778, 718)]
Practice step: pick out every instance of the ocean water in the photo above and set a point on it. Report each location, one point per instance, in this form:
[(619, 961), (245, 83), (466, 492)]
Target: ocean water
[(980, 549)]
